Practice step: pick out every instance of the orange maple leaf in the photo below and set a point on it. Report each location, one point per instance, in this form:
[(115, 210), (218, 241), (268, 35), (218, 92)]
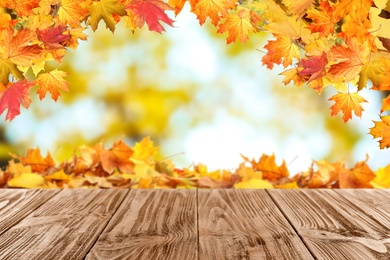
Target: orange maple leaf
[(324, 19), (14, 95), (38, 163), (326, 176), (349, 59), (213, 9), (298, 7), (149, 11), (385, 104), (23, 7), (178, 4), (238, 25), (359, 176), (15, 50), (118, 157), (346, 102), (344, 7), (381, 129), (267, 165), (51, 82), (280, 51)]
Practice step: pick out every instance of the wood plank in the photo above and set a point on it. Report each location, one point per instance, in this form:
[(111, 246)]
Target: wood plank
[(332, 226), (245, 224), (151, 224), (65, 227), (374, 202), (16, 204)]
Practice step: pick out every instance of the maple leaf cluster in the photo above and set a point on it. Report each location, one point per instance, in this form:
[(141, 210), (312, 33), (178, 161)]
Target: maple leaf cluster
[(122, 166), (318, 42)]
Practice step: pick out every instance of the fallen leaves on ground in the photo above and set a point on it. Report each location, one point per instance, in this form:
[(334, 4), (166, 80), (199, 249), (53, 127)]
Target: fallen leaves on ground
[(122, 166)]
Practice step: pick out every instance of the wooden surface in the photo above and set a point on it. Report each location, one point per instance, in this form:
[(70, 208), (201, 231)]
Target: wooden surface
[(195, 224)]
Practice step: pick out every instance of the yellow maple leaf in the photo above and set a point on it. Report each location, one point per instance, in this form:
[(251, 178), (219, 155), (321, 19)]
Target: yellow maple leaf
[(103, 10), (381, 129), (213, 9), (382, 178), (144, 150), (58, 176), (254, 184), (278, 22), (27, 180), (346, 102), (17, 169), (72, 12), (238, 25), (51, 82)]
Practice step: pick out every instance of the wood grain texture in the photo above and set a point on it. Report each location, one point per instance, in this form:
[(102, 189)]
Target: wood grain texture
[(151, 224), (334, 227), (65, 227), (16, 204), (245, 224)]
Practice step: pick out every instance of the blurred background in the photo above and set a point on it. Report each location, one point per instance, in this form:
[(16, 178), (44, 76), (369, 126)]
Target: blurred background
[(198, 99)]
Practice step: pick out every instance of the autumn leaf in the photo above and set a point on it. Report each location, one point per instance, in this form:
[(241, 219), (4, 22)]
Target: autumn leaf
[(324, 19), (23, 7), (326, 176), (103, 10), (37, 162), (346, 103), (149, 11), (349, 59), (270, 170), (238, 25), (14, 95), (359, 176), (118, 157), (344, 7), (381, 129), (385, 104), (280, 51), (52, 37), (179, 4), (72, 12), (313, 66), (51, 82), (144, 150), (16, 51), (254, 184), (382, 178), (215, 9), (298, 8), (58, 176), (27, 180)]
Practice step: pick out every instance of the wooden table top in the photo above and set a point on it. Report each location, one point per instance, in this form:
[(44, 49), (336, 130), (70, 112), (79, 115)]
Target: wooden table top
[(194, 224)]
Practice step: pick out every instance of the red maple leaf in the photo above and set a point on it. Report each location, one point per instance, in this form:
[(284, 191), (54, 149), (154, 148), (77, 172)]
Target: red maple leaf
[(313, 66), (151, 12), (14, 95), (52, 37)]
